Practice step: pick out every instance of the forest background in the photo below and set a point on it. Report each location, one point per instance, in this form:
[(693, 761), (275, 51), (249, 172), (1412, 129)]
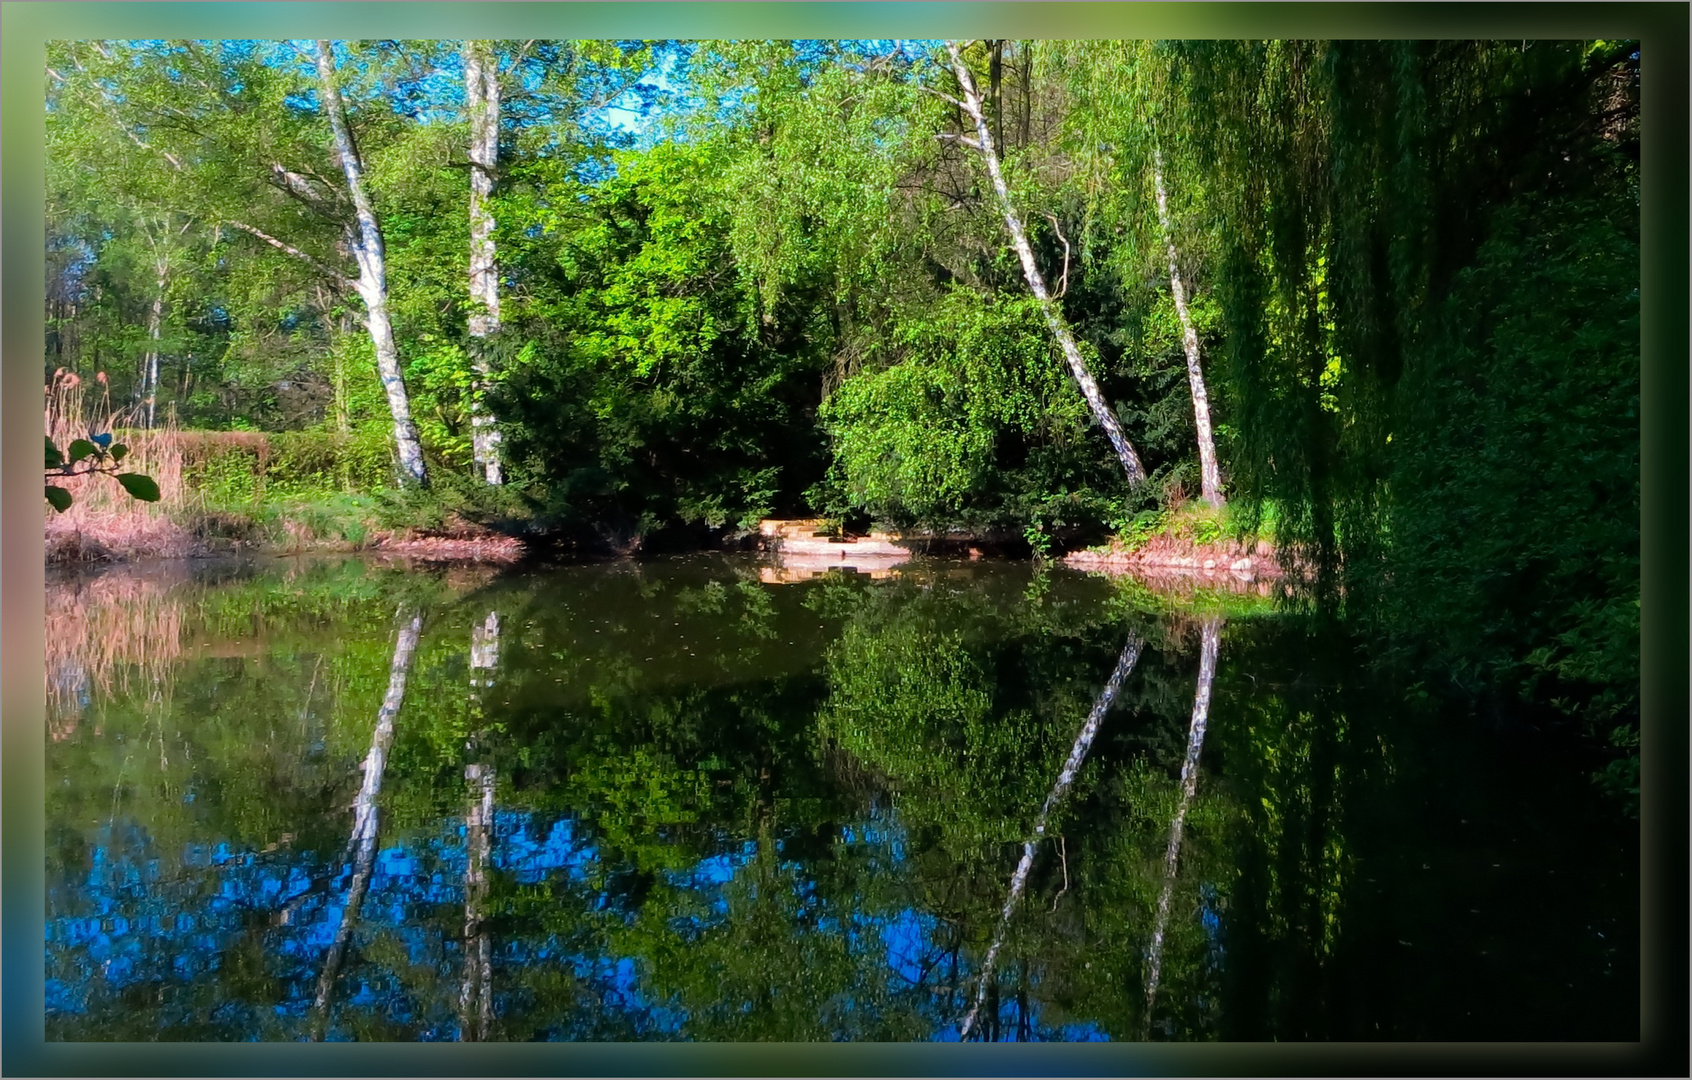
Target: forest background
[(736, 280)]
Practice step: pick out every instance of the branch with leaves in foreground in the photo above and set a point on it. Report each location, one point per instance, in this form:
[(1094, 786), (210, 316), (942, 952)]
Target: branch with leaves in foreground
[(95, 454)]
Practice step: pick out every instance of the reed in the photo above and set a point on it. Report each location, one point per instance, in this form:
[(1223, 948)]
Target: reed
[(103, 520)]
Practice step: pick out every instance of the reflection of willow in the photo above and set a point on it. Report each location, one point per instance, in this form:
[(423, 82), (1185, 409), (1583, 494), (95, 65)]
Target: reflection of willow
[(1066, 777), (363, 840), (475, 997), (1212, 638)]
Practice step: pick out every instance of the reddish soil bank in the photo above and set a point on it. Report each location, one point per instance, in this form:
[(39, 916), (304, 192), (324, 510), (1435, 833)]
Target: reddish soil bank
[(1165, 555)]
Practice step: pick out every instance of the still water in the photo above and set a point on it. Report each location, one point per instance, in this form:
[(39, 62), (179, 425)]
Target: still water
[(704, 799)]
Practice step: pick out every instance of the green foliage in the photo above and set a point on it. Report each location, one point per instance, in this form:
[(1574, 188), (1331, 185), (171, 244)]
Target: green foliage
[(643, 392), (1515, 514), (101, 456), (239, 469), (975, 422)]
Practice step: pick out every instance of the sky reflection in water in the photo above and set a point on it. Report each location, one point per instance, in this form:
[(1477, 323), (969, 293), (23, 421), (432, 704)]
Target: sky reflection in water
[(723, 808)]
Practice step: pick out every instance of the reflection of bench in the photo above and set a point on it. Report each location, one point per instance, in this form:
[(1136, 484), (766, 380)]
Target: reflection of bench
[(789, 571)]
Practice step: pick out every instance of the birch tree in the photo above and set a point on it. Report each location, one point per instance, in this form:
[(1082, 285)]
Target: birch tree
[(481, 98), (983, 143), (364, 239), (1210, 476), (223, 132)]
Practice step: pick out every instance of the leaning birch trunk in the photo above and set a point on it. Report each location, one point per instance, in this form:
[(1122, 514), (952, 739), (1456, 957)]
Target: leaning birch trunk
[(475, 996), (366, 244), (1066, 777), (1210, 476), (150, 374), (1019, 240), (1212, 643), (365, 820), (481, 92)]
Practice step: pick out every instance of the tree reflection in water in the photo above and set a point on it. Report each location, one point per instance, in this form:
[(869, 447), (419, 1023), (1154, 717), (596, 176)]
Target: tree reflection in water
[(475, 999), (694, 806), (366, 816), (1066, 777), (1212, 638)]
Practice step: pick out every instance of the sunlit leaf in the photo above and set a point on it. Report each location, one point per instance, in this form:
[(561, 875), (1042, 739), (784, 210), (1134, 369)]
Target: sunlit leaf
[(140, 486)]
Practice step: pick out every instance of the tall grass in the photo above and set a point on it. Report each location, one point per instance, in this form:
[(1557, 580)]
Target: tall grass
[(103, 520)]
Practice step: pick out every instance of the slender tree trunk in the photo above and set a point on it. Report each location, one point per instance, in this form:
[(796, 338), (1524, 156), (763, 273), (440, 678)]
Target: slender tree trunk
[(481, 91), (1212, 643), (1019, 240), (1210, 475), (365, 818), (475, 997), (150, 364), (1066, 776), (366, 244)]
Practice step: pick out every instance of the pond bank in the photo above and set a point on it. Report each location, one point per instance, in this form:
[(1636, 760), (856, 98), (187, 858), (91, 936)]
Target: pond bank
[(1175, 556)]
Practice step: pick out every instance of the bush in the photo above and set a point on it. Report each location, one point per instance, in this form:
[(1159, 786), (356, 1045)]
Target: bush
[(235, 468)]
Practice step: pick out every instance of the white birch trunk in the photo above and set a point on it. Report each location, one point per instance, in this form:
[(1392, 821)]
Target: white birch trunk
[(150, 364), (1210, 475), (1066, 776), (366, 245), (481, 92), (1212, 643), (1019, 240)]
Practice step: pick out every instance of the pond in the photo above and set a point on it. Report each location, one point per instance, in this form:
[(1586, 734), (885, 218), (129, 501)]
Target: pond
[(704, 798)]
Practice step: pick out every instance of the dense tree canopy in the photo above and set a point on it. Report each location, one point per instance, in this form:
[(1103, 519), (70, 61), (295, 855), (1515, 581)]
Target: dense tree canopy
[(738, 279)]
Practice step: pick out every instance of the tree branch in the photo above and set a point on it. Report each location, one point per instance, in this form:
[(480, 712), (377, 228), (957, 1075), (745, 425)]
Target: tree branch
[(327, 271)]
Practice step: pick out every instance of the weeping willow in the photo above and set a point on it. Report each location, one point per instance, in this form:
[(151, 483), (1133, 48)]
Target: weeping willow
[(1352, 184)]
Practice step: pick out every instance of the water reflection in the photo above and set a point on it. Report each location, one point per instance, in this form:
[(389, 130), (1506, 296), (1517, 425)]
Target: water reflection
[(686, 804), (366, 815), (1066, 777), (1211, 638)]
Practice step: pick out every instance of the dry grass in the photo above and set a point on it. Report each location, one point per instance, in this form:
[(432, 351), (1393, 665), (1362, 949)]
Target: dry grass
[(104, 522)]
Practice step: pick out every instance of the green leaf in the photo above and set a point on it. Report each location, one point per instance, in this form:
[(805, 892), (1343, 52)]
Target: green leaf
[(59, 498), (119, 452), (80, 449), (142, 487), (54, 458)]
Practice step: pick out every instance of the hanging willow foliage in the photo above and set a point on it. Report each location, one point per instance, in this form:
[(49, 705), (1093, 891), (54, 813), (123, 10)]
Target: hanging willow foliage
[(1351, 182)]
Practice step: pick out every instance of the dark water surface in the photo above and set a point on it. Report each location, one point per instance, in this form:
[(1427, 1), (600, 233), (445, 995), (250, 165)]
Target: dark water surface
[(684, 800)]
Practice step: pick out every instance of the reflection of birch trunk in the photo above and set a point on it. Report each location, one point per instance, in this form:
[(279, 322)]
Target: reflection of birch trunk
[(983, 143), (1066, 777), (1212, 638), (475, 997), (363, 841)]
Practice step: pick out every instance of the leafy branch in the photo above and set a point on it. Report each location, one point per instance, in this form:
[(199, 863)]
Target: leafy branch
[(95, 454)]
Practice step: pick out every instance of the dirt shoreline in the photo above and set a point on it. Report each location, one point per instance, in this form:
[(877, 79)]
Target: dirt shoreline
[(1165, 556)]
